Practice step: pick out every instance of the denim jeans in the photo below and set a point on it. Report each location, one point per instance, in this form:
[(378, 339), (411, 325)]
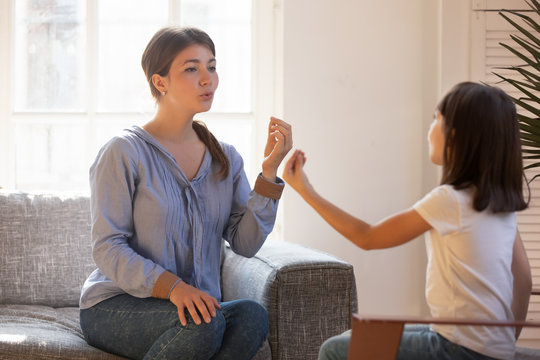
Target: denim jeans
[(418, 342), (149, 328)]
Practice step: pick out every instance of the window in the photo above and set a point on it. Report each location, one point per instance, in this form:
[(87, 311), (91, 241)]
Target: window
[(73, 79)]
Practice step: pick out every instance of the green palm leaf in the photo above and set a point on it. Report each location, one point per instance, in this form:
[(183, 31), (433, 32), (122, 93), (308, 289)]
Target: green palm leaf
[(526, 47)]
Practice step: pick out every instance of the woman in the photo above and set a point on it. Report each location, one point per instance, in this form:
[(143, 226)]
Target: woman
[(163, 196)]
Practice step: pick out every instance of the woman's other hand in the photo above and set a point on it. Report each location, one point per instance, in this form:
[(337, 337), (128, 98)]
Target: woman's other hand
[(278, 144), (185, 296), (294, 174)]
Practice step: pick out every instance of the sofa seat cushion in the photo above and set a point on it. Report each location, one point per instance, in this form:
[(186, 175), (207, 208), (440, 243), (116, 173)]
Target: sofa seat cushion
[(42, 332)]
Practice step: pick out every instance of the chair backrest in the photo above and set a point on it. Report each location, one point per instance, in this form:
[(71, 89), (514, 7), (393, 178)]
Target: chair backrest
[(374, 339), (45, 248), (379, 337)]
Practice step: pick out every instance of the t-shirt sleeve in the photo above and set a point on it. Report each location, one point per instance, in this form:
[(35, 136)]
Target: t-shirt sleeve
[(440, 208)]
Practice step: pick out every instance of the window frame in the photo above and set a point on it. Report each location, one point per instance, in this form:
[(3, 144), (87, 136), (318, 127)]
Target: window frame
[(266, 90)]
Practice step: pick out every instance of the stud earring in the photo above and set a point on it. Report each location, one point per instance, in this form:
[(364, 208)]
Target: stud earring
[(163, 93)]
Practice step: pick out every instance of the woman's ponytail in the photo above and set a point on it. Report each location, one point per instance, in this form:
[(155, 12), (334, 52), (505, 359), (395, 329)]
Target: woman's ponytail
[(213, 146)]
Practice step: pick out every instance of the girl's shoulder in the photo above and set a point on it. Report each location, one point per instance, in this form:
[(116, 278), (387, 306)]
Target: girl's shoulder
[(449, 191), (441, 208), (457, 202), (443, 191)]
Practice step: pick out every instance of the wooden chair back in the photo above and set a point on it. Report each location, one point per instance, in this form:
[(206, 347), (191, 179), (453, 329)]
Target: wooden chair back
[(379, 337)]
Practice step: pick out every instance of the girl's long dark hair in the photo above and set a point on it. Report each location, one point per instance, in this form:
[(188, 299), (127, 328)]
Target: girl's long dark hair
[(157, 59), (483, 147)]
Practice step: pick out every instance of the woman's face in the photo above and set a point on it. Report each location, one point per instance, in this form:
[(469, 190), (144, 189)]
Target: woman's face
[(192, 80), (436, 139)]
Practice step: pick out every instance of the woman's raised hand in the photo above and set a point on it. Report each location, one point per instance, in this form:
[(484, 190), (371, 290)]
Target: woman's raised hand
[(278, 144), (185, 296), (294, 174)]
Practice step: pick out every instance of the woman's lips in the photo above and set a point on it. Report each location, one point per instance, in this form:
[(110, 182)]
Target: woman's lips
[(207, 96)]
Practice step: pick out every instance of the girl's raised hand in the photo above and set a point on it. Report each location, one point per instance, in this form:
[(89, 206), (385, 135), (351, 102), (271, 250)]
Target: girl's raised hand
[(278, 144), (294, 174)]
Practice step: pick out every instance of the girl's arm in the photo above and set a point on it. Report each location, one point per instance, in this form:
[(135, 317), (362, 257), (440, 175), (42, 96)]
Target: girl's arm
[(522, 281), (393, 231)]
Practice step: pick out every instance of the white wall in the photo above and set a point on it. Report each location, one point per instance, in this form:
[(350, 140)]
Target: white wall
[(360, 82)]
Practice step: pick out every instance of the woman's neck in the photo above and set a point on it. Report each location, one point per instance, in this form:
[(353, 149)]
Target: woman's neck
[(174, 127)]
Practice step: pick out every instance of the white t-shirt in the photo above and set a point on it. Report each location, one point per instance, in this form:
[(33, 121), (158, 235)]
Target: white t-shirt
[(469, 269)]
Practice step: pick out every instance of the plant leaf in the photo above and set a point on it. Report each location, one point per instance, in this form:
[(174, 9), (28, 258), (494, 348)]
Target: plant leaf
[(532, 63), (528, 143), (529, 84), (534, 165), (525, 106), (536, 4), (521, 29), (531, 96), (526, 45), (534, 123)]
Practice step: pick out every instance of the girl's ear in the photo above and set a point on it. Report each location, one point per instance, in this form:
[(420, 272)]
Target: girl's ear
[(159, 82)]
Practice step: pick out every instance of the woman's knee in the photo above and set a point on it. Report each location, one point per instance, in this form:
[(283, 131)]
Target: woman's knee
[(246, 319), (259, 318), (211, 334), (250, 313), (192, 341), (255, 311)]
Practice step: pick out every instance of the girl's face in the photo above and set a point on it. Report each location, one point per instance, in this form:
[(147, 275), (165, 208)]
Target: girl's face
[(436, 139), (192, 80)]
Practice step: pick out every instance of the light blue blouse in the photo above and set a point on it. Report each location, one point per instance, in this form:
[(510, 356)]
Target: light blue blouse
[(147, 217)]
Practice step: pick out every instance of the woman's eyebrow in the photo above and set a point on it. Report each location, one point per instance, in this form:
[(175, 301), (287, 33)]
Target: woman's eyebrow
[(197, 61)]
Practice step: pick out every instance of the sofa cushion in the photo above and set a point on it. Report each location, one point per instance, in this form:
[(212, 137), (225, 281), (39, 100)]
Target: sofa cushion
[(45, 248), (41, 332)]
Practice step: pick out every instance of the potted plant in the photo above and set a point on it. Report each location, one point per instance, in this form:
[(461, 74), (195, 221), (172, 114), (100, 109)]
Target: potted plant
[(528, 50)]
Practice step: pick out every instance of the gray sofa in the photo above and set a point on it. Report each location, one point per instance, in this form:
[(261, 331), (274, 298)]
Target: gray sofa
[(45, 256)]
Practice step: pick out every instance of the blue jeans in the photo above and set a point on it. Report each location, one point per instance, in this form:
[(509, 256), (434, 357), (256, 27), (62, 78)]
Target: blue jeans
[(418, 342), (149, 328)]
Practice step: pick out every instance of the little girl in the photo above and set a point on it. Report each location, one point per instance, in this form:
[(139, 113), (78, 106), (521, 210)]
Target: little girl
[(477, 265)]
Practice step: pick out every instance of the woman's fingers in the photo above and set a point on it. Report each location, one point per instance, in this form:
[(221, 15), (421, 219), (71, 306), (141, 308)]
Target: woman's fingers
[(278, 144), (182, 315), (279, 138), (203, 310), (193, 312), (276, 121), (211, 304), (197, 302), (284, 128)]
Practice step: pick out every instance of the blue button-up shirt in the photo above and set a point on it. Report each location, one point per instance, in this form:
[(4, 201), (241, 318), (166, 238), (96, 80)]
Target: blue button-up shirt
[(147, 217)]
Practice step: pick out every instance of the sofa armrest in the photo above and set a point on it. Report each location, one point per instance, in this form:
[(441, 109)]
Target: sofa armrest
[(310, 296)]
